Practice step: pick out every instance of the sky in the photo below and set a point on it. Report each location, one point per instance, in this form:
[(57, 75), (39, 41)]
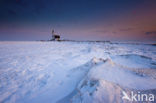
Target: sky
[(114, 20)]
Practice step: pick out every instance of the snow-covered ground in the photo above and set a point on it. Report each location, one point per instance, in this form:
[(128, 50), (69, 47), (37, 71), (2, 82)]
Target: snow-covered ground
[(75, 72)]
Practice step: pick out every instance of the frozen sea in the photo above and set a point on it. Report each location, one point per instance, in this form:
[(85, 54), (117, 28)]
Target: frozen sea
[(75, 72)]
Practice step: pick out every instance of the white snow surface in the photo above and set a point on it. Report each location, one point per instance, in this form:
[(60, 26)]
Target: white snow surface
[(74, 72)]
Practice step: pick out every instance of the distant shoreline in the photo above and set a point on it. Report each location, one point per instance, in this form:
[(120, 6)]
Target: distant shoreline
[(90, 41)]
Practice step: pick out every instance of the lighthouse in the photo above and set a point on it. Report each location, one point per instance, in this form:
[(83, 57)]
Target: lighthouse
[(55, 36)]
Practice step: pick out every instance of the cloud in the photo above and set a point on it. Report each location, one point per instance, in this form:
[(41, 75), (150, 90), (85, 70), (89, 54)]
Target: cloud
[(150, 32), (114, 32), (101, 31), (127, 29)]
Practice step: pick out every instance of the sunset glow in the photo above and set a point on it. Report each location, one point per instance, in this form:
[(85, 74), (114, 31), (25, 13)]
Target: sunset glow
[(132, 20)]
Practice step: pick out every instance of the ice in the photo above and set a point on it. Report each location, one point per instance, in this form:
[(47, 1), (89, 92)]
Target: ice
[(134, 61), (63, 72), (106, 81)]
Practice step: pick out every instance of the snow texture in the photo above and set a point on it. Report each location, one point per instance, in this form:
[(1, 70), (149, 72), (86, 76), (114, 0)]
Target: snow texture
[(74, 72)]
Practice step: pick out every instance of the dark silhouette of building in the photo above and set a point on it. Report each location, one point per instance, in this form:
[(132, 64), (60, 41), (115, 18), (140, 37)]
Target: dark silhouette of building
[(55, 36)]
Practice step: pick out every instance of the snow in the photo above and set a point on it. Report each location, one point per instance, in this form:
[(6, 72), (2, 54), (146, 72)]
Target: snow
[(63, 72)]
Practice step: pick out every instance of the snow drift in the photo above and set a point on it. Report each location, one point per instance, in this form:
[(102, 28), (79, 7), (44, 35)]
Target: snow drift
[(106, 82), (77, 72)]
